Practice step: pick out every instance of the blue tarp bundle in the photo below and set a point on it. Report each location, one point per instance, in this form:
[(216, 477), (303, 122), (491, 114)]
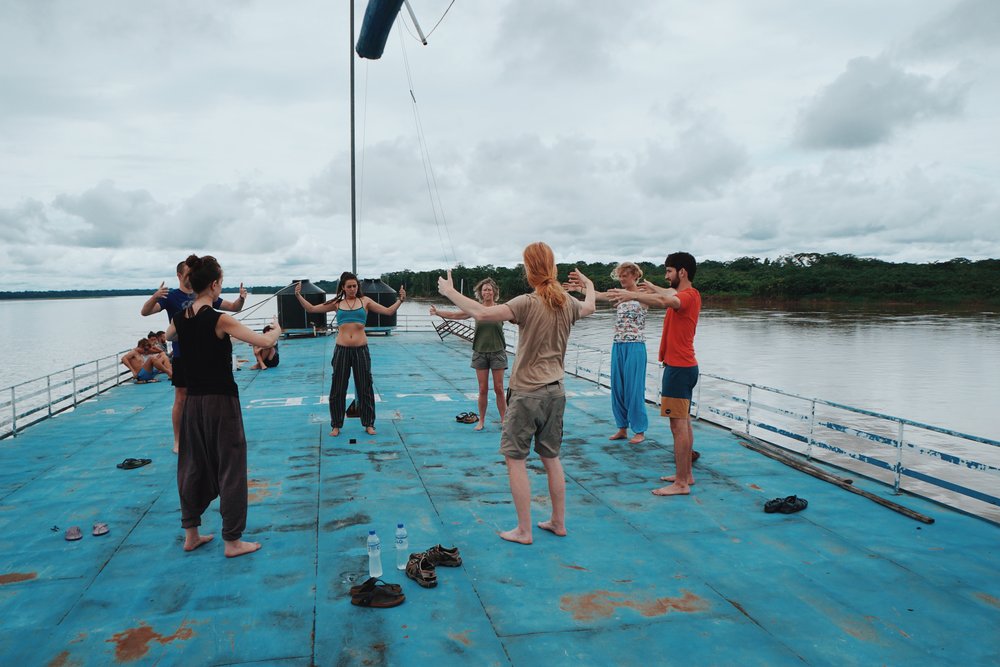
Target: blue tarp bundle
[(379, 17)]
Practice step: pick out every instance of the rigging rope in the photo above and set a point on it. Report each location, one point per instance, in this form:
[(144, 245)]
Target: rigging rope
[(431, 30), (429, 177), (249, 311)]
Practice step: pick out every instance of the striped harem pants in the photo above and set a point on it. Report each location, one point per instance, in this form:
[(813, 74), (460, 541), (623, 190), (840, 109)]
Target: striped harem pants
[(345, 361)]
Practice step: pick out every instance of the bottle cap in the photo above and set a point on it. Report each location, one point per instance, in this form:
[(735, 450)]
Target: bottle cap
[(371, 532), (399, 525)]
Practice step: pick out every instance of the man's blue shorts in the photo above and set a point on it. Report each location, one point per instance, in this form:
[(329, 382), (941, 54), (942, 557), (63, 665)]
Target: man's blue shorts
[(676, 390)]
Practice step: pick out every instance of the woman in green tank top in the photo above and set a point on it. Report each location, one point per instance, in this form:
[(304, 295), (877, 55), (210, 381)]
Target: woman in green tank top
[(489, 349)]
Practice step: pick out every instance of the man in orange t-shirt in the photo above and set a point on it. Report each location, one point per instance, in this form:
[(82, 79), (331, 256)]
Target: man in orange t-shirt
[(680, 367)]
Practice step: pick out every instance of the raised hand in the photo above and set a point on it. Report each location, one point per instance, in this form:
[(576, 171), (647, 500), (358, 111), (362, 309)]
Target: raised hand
[(162, 291), (298, 288), (402, 293), (243, 292), (434, 311), (445, 284)]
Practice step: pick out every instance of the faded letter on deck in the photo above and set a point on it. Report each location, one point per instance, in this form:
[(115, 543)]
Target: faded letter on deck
[(379, 17)]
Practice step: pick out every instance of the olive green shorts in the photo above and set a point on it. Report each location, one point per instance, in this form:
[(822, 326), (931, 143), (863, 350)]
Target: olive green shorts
[(536, 414)]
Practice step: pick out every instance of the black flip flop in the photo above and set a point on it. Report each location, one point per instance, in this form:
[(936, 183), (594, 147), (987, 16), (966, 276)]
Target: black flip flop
[(378, 597), (374, 583), (793, 504), (131, 464)]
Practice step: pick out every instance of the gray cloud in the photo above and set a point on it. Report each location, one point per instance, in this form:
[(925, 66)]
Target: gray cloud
[(110, 217), (699, 163), (871, 100), (969, 24)]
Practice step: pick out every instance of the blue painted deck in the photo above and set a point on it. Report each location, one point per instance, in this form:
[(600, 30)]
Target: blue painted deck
[(704, 580)]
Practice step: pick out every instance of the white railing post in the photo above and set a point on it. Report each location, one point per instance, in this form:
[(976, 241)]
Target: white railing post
[(13, 413), (697, 407), (749, 397), (48, 391), (898, 472), (74, 386), (98, 364), (812, 428)]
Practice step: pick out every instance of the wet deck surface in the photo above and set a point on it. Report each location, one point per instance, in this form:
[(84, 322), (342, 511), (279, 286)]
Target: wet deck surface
[(705, 580)]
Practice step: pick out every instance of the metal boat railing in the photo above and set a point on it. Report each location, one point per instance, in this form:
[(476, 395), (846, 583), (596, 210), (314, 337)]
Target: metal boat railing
[(32, 401), (955, 468), (945, 465)]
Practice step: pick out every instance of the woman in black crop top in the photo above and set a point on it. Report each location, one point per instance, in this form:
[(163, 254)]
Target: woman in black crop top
[(212, 461), (351, 351)]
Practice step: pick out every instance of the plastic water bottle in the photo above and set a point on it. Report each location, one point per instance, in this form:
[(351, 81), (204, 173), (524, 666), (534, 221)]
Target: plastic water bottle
[(374, 555), (402, 547)]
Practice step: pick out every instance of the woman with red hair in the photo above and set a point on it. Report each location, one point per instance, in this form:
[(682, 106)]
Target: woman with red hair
[(537, 395)]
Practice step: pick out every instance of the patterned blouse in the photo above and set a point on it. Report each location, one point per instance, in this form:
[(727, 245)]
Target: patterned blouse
[(630, 322)]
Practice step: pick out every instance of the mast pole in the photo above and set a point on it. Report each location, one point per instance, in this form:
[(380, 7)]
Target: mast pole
[(354, 210)]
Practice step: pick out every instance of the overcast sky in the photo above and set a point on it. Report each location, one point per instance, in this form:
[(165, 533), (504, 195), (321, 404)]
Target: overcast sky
[(133, 134)]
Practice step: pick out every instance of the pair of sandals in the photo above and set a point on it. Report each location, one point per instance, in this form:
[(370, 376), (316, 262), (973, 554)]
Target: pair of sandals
[(131, 464), (377, 594), (422, 565), (73, 533), (787, 505), (467, 418)]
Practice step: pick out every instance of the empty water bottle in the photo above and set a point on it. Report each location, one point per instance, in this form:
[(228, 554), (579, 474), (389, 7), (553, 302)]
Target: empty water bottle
[(374, 555), (402, 547)]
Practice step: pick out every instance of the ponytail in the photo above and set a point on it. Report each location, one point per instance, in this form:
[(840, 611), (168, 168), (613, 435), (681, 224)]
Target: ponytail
[(540, 271)]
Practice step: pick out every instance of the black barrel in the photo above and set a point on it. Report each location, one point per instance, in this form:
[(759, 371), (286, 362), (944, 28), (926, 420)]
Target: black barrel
[(376, 290), (292, 316)]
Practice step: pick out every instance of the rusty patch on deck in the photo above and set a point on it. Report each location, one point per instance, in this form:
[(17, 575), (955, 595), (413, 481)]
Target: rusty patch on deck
[(461, 637), (988, 599), (14, 577), (62, 660), (602, 604), (754, 486), (257, 490), (133, 644)]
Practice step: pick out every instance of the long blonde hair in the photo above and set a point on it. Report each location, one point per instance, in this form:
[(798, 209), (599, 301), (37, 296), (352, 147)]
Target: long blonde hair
[(540, 271), (478, 289)]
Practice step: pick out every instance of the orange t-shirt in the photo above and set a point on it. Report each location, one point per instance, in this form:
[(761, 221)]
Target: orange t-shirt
[(677, 341)]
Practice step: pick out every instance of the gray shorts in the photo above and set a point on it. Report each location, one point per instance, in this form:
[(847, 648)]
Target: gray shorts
[(536, 414), (496, 361)]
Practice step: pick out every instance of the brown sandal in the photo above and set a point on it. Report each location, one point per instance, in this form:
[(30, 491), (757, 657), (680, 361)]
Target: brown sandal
[(438, 555), (421, 570), (374, 583), (379, 597)]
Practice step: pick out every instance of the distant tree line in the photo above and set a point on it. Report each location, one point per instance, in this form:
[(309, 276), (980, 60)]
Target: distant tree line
[(799, 277)]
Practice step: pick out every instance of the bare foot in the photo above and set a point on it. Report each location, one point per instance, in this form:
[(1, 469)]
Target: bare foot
[(370, 430), (674, 489), (479, 426), (637, 438), (240, 548), (192, 544), (620, 434), (516, 536), (671, 478), (335, 432), (176, 447), (255, 367), (552, 528)]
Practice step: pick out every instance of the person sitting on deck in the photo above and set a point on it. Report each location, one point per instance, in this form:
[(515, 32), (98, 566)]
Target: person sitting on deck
[(146, 362), (267, 357)]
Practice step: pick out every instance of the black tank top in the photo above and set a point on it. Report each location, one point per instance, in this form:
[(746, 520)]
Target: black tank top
[(208, 365)]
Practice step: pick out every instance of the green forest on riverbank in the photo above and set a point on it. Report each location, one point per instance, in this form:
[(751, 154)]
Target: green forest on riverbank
[(800, 277)]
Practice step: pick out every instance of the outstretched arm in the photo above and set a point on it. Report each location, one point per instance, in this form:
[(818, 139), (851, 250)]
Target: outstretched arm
[(240, 331), (235, 305), (311, 307), (649, 295), (386, 310), (574, 285), (152, 304), (449, 314), (499, 313)]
